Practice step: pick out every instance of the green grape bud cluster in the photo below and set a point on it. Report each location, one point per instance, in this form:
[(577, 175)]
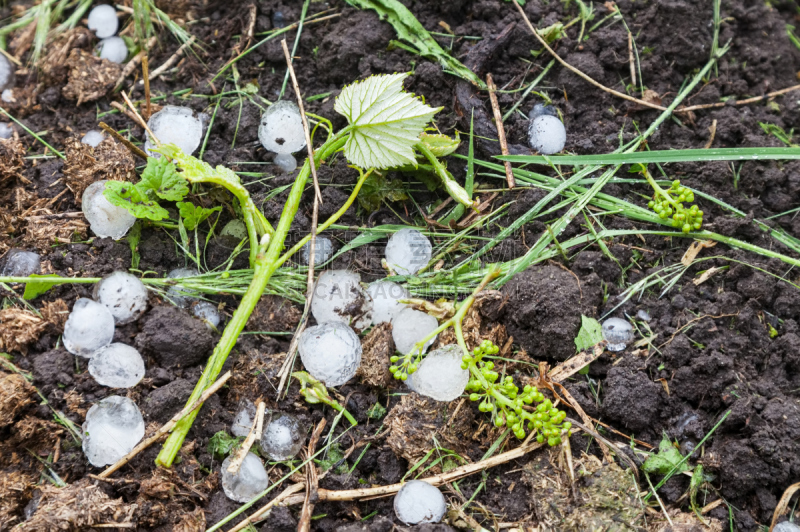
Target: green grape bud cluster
[(687, 220), (403, 366), (508, 403)]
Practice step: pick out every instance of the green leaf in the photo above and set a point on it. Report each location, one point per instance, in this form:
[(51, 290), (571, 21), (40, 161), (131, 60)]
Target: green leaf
[(161, 177), (34, 289), (590, 335), (668, 457), (221, 444), (386, 122), (192, 214), (377, 411), (440, 145), (377, 188), (134, 198)]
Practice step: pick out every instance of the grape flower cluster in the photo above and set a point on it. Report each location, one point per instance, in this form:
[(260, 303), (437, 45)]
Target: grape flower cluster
[(510, 406), (669, 204)]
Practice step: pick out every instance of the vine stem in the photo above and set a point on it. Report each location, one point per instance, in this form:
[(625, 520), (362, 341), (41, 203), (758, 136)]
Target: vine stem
[(660, 191)]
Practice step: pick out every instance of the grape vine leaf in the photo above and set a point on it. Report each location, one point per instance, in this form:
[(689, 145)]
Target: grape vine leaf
[(590, 335), (43, 283), (667, 459), (134, 198), (161, 177)]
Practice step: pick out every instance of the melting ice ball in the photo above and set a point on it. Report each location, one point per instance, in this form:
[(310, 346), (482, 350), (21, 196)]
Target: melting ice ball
[(175, 125), (282, 438), (6, 131), (104, 218), (176, 293), (249, 481), (207, 312), (21, 263), (117, 366), (112, 429), (244, 418), (419, 502), (440, 376), (89, 327), (103, 21), (617, 332), (93, 138), (408, 251), (410, 326), (323, 249), (546, 134), (338, 296), (114, 49), (6, 72), (386, 297), (124, 295), (281, 132), (786, 526), (331, 352)]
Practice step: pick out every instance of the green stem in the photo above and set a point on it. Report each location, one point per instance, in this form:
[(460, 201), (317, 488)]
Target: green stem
[(339, 408), (660, 191), (455, 190)]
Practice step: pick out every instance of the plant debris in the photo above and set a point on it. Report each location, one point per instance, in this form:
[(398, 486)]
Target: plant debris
[(90, 78), (19, 328), (84, 165)]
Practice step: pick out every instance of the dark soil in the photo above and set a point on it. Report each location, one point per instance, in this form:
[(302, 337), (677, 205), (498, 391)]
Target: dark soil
[(730, 344)]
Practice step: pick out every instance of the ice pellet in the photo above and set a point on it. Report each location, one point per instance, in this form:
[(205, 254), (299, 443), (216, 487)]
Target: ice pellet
[(175, 125), (419, 502), (89, 327), (286, 162), (385, 300), (282, 438), (7, 96), (244, 418), (207, 312), (124, 295), (93, 138), (330, 352), (104, 218), (21, 263), (6, 72), (176, 293), (281, 129), (338, 296), (6, 131), (113, 48), (440, 376), (323, 249), (408, 251), (103, 21), (112, 429), (546, 134), (117, 366), (249, 481), (643, 315), (617, 332), (279, 20), (410, 326), (786, 526)]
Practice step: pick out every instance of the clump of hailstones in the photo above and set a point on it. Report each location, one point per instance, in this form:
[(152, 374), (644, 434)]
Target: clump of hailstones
[(124, 295), (330, 352), (112, 429), (546, 133), (419, 502), (617, 332), (408, 251), (250, 480), (281, 132), (174, 125), (105, 219), (20, 263), (282, 438), (338, 296)]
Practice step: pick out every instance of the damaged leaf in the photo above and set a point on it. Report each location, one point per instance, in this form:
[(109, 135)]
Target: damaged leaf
[(377, 189), (34, 289), (163, 179), (135, 200), (667, 459), (192, 214), (590, 335), (221, 444), (440, 145)]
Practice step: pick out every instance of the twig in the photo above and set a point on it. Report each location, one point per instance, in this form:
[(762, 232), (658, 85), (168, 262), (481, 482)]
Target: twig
[(501, 131), (133, 63), (255, 432), (171, 61), (312, 482), (712, 129), (754, 99), (282, 496), (167, 427), (631, 61), (146, 78), (58, 216), (128, 144), (783, 504), (139, 118)]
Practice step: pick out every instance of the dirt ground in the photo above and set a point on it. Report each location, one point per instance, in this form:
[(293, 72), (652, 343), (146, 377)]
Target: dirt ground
[(730, 344)]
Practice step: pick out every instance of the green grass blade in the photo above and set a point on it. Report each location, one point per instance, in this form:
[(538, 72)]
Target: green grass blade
[(662, 156)]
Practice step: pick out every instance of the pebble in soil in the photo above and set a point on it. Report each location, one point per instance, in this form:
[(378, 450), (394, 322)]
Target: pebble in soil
[(103, 21), (323, 249), (93, 138), (105, 219), (244, 418), (249, 481), (440, 375), (410, 326), (21, 263), (617, 332), (281, 132), (6, 72), (113, 49), (6, 130), (89, 327), (330, 352), (282, 438), (386, 297), (123, 294), (117, 366), (546, 133), (419, 502), (338, 296), (208, 313), (176, 292), (112, 429), (408, 251), (175, 125)]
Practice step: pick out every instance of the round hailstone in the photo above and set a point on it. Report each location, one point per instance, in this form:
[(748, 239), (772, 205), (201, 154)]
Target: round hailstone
[(89, 327), (175, 125), (7, 96), (410, 326), (114, 49), (386, 297), (93, 138), (440, 376), (103, 21), (330, 352), (643, 315), (338, 296), (244, 418), (408, 251), (176, 293), (21, 263), (124, 295), (207, 312), (286, 162), (281, 129), (117, 366), (6, 131), (546, 134), (323, 249), (249, 481), (6, 73), (786, 526), (617, 332), (112, 429), (282, 438), (104, 218), (419, 502)]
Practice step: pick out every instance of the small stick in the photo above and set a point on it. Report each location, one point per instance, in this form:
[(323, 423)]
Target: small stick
[(171, 61), (754, 99), (255, 431), (501, 131), (146, 77), (139, 118), (168, 426), (312, 481), (133, 63), (128, 144), (631, 61), (285, 494)]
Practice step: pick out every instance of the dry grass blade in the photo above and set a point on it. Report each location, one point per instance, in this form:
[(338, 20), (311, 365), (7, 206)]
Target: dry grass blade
[(128, 144), (146, 78), (573, 365), (171, 61), (312, 480), (255, 432), (783, 504), (501, 131), (277, 501)]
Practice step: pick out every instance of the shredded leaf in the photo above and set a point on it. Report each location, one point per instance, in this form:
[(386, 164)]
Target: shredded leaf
[(667, 458), (221, 444), (590, 335), (161, 177), (134, 198), (34, 289), (377, 188)]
